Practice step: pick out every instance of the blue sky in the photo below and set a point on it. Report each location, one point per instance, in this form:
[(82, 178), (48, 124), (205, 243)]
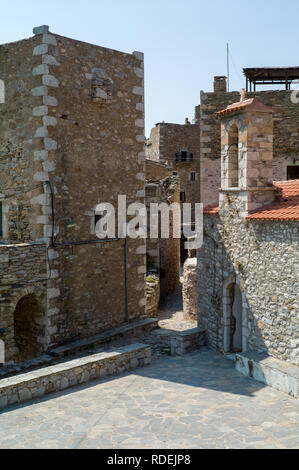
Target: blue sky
[(184, 41)]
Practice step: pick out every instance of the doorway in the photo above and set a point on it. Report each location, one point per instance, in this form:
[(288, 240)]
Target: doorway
[(233, 312), (28, 328)]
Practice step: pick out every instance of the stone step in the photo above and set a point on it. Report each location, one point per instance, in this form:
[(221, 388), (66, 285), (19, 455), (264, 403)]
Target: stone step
[(36, 384), (280, 375), (126, 330)]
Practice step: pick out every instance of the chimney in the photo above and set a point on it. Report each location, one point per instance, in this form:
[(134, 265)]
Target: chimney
[(243, 95), (220, 84)]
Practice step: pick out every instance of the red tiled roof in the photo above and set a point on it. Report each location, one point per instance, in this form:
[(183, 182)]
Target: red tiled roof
[(253, 104), (285, 208)]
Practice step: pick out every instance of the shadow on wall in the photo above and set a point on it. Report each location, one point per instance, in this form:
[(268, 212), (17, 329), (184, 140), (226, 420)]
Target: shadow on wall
[(28, 328), (246, 288)]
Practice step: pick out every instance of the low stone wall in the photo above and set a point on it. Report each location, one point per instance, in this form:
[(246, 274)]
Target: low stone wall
[(187, 341), (52, 379), (277, 374), (190, 290), (152, 298)]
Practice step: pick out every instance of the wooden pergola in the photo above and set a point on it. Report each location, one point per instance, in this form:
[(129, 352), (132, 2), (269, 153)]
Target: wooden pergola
[(270, 76)]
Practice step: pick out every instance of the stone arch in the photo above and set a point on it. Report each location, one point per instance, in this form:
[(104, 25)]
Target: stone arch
[(28, 325), (235, 317), (233, 157)]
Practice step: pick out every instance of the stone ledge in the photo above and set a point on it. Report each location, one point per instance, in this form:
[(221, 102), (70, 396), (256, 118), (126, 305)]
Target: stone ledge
[(183, 342), (105, 337), (35, 384), (270, 371)]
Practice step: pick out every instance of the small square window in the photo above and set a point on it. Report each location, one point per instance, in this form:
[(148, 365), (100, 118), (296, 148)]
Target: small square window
[(293, 172), (184, 157)]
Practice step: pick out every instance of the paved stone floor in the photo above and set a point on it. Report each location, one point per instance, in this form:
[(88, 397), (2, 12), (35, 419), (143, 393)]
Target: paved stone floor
[(194, 401)]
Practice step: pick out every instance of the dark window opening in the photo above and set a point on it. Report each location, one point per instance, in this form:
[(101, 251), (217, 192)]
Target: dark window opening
[(184, 157), (183, 196), (293, 172), (192, 176)]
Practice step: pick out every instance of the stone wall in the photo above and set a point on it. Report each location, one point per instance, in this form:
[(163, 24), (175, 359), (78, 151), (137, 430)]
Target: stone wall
[(261, 258), (156, 170), (111, 133), (184, 342), (152, 296), (285, 144), (74, 119), (18, 125), (190, 290), (164, 252), (152, 145), (167, 140), (62, 376), (23, 270)]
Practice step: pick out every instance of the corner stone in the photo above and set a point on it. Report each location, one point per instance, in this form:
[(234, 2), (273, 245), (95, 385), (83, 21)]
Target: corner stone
[(44, 29)]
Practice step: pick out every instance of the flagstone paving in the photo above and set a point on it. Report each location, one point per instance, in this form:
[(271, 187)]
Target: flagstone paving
[(194, 401)]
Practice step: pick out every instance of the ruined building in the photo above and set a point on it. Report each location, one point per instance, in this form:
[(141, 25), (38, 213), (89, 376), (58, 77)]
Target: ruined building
[(163, 254), (177, 147), (71, 136)]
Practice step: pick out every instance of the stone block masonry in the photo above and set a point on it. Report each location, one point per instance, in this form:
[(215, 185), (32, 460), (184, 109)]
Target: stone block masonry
[(165, 142), (152, 297), (187, 341), (190, 290), (73, 130), (23, 270), (261, 258), (285, 143), (164, 253), (36, 384)]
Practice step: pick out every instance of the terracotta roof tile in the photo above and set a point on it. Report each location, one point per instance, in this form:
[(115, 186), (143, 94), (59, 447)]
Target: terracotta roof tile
[(253, 104), (211, 210), (285, 208)]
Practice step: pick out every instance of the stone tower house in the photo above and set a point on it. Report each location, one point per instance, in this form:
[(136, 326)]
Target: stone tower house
[(72, 136)]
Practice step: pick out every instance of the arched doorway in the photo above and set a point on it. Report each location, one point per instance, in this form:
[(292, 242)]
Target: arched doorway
[(233, 319), (28, 328), (233, 157)]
